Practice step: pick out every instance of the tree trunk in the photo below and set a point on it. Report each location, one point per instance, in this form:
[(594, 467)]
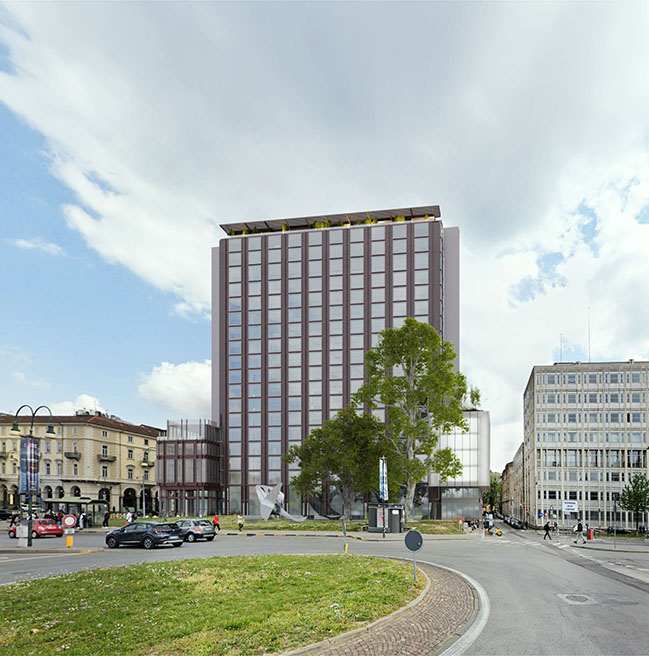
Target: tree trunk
[(410, 500), (347, 495)]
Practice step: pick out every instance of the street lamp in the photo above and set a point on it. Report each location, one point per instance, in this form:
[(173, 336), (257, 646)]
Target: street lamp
[(29, 460)]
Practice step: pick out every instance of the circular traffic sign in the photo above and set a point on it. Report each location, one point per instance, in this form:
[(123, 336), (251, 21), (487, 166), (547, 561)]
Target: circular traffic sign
[(414, 540), (69, 521)]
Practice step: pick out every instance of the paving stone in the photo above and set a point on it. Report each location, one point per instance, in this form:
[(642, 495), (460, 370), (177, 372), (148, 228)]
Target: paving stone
[(418, 631)]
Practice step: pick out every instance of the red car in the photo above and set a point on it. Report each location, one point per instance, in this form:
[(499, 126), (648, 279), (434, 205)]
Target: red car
[(40, 528)]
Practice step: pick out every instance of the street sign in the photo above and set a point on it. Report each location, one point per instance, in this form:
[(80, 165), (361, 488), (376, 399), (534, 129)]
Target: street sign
[(69, 521), (570, 506), (414, 542)]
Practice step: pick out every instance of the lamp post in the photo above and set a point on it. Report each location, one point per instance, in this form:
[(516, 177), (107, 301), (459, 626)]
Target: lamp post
[(29, 460)]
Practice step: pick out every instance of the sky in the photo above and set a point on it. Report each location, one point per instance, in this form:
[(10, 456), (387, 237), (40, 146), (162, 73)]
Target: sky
[(130, 132)]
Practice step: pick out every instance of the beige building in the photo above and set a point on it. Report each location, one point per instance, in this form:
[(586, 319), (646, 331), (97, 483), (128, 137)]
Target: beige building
[(507, 478), (585, 439), (92, 456)]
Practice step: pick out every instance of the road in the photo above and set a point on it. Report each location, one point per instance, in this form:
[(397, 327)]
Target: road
[(543, 598)]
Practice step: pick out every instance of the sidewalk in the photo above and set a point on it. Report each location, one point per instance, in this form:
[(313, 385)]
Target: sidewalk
[(624, 545), (425, 627)]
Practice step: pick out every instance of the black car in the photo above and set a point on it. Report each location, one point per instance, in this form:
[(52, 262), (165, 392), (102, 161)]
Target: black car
[(620, 530), (515, 523), (146, 534), (5, 514)]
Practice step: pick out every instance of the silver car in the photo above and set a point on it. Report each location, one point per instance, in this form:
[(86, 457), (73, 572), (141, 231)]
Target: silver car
[(196, 529)]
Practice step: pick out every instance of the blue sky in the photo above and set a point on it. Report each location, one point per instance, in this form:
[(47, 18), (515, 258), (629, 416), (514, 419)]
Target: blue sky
[(129, 132)]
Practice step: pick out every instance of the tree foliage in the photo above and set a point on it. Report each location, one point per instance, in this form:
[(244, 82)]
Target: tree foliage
[(494, 496), (635, 497), (410, 371), (344, 452)]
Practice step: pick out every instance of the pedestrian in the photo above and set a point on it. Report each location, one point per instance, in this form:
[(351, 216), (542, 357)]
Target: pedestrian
[(15, 517), (556, 527), (59, 517), (82, 520), (129, 517), (580, 532), (240, 522), (106, 518), (216, 523), (546, 528)]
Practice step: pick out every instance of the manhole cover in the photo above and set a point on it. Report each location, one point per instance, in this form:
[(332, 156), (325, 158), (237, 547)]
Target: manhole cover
[(577, 599)]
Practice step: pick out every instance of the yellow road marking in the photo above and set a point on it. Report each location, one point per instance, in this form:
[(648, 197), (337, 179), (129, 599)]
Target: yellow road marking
[(61, 555)]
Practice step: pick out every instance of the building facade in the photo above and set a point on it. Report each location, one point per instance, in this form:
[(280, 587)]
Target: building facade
[(585, 438), (462, 496), (507, 478), (190, 468), (296, 304), (92, 456)]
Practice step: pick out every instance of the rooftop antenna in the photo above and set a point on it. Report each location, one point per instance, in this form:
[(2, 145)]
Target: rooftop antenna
[(589, 333), (560, 347)]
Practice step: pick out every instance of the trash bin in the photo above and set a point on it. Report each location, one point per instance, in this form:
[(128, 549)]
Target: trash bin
[(396, 519)]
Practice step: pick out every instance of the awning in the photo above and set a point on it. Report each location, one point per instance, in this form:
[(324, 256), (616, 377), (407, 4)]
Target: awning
[(68, 500)]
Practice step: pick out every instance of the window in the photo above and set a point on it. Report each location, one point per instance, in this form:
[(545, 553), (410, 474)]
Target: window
[(47, 468), (129, 473), (75, 469), (129, 439), (145, 475), (130, 454), (104, 471), (104, 433), (104, 450)]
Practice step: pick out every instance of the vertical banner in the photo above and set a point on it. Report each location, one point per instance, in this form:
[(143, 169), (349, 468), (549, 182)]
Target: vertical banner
[(30, 456), (383, 479)]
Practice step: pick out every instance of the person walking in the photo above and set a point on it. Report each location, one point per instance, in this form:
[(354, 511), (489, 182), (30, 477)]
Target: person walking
[(580, 532), (240, 522), (106, 518), (129, 517), (546, 528), (216, 523)]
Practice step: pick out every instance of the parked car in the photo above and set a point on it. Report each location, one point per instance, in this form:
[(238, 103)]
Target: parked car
[(515, 523), (145, 534), (196, 529), (5, 514), (41, 528), (620, 530)]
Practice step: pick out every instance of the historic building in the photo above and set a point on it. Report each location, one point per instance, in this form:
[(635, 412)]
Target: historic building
[(92, 456), (296, 304), (585, 438)]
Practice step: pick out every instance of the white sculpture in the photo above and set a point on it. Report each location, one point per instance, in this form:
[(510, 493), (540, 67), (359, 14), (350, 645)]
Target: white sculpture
[(271, 501)]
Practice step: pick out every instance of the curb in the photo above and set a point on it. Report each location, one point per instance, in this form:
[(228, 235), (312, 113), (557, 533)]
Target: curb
[(55, 550)]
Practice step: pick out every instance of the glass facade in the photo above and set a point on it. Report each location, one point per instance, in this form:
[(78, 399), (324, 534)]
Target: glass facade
[(298, 309)]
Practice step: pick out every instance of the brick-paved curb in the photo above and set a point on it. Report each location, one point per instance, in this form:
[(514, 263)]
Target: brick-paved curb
[(422, 628)]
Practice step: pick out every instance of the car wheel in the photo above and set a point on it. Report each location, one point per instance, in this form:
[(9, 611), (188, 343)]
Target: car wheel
[(111, 542), (12, 535), (190, 537), (147, 543), (34, 535), (210, 539)]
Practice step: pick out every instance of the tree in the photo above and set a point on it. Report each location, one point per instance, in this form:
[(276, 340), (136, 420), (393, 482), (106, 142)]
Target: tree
[(410, 372), (494, 497), (635, 497), (344, 452)]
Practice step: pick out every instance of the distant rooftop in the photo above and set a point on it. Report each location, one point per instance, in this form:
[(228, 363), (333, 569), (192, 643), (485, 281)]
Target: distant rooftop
[(332, 220)]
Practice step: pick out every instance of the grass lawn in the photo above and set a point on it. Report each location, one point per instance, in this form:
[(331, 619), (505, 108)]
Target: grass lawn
[(217, 606), (436, 527)]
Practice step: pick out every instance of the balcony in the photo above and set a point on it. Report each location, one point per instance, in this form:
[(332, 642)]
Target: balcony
[(147, 463), (3, 455), (73, 455), (106, 458)]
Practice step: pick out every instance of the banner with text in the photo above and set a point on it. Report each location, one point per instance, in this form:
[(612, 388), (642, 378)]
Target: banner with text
[(30, 455)]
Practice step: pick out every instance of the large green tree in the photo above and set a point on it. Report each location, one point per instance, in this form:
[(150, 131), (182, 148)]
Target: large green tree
[(635, 497), (410, 372), (344, 452)]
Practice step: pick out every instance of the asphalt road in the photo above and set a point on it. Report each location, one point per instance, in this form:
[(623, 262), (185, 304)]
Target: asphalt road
[(543, 598)]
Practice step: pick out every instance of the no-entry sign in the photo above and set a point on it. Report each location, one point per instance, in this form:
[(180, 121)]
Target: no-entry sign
[(69, 521)]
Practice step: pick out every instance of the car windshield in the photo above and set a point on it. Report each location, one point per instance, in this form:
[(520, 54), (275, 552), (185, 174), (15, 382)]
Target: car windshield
[(47, 521)]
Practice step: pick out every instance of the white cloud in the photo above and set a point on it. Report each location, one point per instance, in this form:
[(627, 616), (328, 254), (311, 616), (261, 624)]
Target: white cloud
[(166, 120), (180, 389), (23, 379), (82, 402), (38, 244)]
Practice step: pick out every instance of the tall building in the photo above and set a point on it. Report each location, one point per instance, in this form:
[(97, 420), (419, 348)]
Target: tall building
[(296, 304), (585, 438), (92, 456)]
